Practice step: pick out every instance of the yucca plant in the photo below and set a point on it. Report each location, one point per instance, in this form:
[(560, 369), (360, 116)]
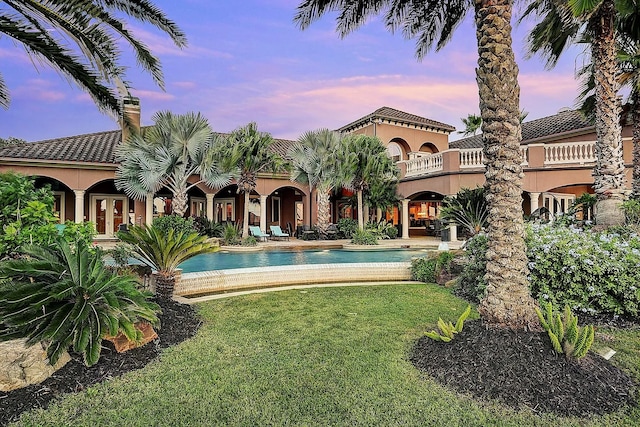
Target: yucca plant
[(565, 334), (164, 252), (67, 297)]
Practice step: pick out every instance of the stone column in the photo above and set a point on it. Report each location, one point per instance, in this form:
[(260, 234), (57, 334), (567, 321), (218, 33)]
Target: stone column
[(534, 197), (405, 218), (453, 231), (365, 212), (378, 214), (263, 213), (148, 209), (79, 206), (210, 214)]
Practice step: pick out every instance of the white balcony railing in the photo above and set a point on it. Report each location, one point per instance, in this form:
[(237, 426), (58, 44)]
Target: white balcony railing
[(471, 158), (424, 165), (569, 152)]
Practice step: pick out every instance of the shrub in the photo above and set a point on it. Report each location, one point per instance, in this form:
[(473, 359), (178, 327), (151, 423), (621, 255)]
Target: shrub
[(249, 241), (347, 227), (565, 334), (121, 254), (631, 209), (232, 235), (471, 284), (66, 297), (206, 227), (592, 272), (174, 222), (428, 269), (468, 208), (423, 270), (448, 330), (364, 237)]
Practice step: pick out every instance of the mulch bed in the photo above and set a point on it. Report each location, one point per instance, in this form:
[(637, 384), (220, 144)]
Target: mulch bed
[(178, 322), (521, 370)]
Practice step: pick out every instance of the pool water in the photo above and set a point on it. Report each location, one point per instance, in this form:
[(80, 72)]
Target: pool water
[(230, 260)]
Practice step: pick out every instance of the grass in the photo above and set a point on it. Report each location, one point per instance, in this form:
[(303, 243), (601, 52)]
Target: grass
[(325, 356)]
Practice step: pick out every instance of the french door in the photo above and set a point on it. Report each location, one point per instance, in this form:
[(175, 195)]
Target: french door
[(108, 212)]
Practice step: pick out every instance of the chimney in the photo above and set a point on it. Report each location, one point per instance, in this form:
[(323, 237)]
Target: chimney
[(131, 116)]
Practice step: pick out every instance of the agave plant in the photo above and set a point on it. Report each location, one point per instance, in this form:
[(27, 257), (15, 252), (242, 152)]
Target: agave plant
[(67, 297), (164, 252)]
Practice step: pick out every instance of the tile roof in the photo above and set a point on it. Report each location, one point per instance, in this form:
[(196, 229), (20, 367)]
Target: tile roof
[(88, 148), (91, 148), (391, 114), (564, 122)]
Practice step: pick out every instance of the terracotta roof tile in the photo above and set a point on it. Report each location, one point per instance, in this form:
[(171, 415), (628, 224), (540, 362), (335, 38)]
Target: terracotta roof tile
[(561, 123), (387, 113)]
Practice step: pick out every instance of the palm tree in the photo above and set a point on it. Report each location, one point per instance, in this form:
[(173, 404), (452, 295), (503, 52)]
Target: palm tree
[(591, 22), (508, 301), (164, 252), (471, 124), (315, 161), (83, 41), (244, 154), (364, 160), (176, 148)]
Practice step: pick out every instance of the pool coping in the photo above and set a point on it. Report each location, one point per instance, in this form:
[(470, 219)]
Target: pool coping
[(219, 281)]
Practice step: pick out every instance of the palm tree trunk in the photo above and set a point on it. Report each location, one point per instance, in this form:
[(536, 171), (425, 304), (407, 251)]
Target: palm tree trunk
[(635, 114), (508, 301), (609, 178), (324, 211), (165, 284), (245, 220), (360, 210), (179, 203)]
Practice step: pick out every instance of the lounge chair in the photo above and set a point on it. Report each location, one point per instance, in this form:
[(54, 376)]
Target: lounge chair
[(257, 233), (332, 232), (276, 231)]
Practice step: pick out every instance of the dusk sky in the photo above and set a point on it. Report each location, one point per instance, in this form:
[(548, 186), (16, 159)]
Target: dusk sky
[(247, 61)]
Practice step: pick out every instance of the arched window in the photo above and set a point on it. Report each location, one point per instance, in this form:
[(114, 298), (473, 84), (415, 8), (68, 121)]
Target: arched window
[(395, 152)]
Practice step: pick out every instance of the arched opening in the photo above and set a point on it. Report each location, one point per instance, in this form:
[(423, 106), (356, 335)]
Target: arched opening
[(397, 149), (108, 208), (428, 148), (63, 197), (424, 213)]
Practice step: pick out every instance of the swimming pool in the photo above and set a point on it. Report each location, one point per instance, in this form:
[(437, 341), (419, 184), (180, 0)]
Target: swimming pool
[(231, 260)]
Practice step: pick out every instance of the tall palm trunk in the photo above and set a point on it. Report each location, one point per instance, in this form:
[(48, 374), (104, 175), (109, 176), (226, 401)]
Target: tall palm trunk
[(324, 210), (609, 178), (179, 203), (508, 301), (635, 118), (245, 220), (360, 210)]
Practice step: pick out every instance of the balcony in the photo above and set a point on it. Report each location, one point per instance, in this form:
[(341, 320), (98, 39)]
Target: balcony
[(533, 156)]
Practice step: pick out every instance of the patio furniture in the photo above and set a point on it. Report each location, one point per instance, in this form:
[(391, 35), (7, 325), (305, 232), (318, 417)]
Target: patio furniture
[(276, 232), (332, 232), (307, 233), (257, 233)]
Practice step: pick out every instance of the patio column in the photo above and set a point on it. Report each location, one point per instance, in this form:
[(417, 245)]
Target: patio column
[(148, 209), (405, 218), (263, 213), (534, 197), (378, 214), (453, 231), (365, 213), (79, 206), (209, 206)]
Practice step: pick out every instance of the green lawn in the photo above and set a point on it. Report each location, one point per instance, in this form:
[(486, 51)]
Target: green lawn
[(325, 356)]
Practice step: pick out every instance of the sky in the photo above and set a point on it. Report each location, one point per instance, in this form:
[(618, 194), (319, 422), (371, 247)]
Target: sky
[(247, 61)]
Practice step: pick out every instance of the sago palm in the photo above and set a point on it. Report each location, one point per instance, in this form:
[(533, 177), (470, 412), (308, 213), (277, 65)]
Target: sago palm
[(315, 161), (83, 40), (431, 22), (177, 148), (245, 153), (467, 208), (164, 252), (364, 161), (66, 297)]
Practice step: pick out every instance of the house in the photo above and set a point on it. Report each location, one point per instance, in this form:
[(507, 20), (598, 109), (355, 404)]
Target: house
[(558, 160)]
